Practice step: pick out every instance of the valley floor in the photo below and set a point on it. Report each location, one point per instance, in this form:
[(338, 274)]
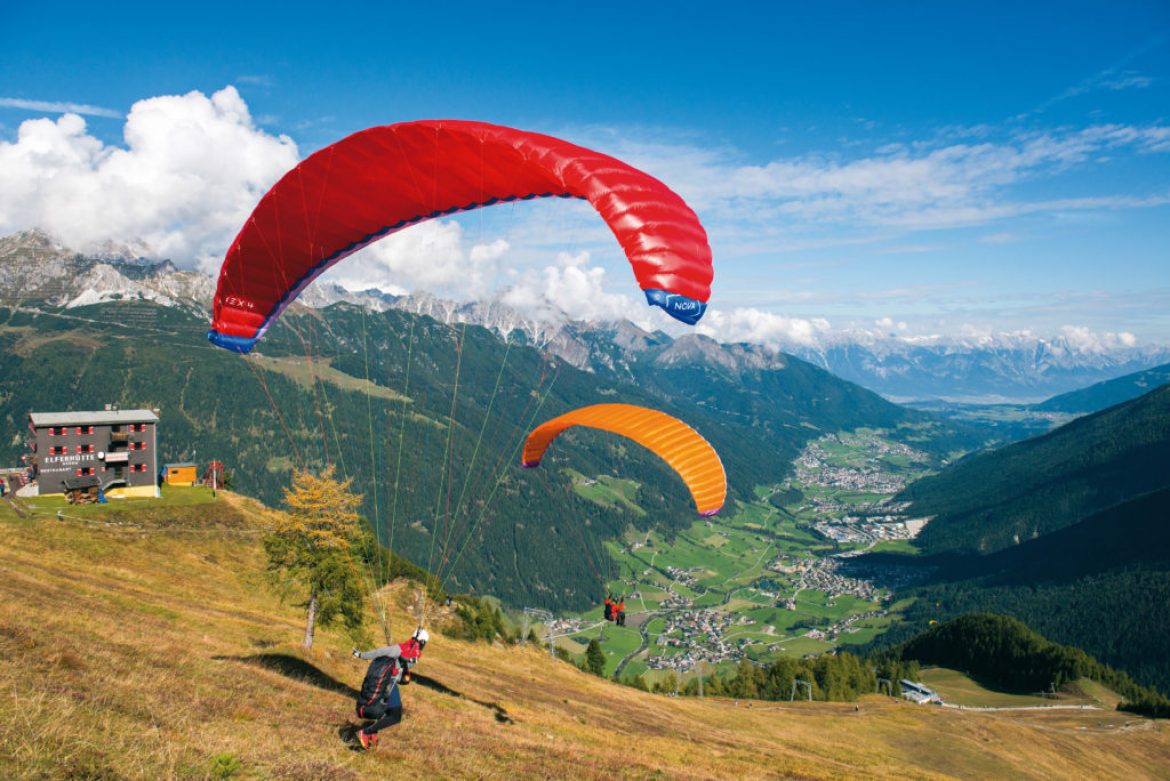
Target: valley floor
[(162, 651)]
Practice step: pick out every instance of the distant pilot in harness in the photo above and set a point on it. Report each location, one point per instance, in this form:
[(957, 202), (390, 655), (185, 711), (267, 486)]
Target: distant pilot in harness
[(379, 701), (619, 612), (609, 607)]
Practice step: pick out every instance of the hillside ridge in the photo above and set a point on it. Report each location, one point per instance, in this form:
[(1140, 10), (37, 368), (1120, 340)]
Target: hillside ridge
[(177, 657)]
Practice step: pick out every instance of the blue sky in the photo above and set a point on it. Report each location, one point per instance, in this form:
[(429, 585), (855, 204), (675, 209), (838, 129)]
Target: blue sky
[(910, 168)]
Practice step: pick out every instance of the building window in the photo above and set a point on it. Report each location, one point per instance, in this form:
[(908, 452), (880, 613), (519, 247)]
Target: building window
[(84, 471), (138, 446), (83, 430), (56, 431), (85, 448), (138, 427), (138, 467), (57, 450)]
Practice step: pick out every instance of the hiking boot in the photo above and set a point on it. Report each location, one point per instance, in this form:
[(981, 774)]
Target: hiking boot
[(368, 741)]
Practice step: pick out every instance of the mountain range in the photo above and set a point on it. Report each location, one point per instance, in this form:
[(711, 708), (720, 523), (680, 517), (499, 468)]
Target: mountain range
[(426, 415), (444, 382), (37, 270)]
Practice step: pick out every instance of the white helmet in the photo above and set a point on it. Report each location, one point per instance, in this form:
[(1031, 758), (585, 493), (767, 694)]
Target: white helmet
[(421, 636)]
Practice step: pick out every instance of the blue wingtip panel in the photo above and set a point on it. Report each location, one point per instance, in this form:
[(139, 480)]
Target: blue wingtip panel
[(237, 344), (681, 308)]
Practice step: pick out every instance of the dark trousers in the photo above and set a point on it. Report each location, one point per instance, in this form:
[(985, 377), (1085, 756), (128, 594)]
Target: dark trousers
[(385, 713), (387, 719)]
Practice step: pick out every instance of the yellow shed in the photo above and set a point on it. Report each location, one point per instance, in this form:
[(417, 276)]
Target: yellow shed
[(180, 474)]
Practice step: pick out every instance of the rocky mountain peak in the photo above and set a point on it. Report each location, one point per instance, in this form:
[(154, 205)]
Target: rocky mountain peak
[(30, 240), (737, 358), (37, 270)]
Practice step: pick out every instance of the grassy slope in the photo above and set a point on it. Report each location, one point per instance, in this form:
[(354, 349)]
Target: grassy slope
[(141, 654), (959, 689)]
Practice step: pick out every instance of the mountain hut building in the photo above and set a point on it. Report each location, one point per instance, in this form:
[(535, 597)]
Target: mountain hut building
[(117, 447)]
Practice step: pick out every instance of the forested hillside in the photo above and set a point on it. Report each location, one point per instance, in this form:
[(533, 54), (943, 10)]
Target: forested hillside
[(1068, 532), (996, 499), (1006, 653), (1102, 584), (1107, 393), (461, 505)]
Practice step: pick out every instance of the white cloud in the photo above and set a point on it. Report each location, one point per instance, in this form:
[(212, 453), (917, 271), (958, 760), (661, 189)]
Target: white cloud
[(192, 169), (1126, 80), (1084, 340), (919, 187), (193, 166), (747, 324), (488, 253), (574, 289), (256, 80), (60, 107), (430, 256), (888, 325)]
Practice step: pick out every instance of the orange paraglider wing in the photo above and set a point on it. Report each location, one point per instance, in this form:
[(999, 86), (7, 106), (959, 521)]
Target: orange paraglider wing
[(673, 441)]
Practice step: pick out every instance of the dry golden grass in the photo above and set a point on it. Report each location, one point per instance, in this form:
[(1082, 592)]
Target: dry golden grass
[(145, 655)]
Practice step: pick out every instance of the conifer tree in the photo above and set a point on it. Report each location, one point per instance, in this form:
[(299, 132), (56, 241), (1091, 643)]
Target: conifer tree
[(595, 658), (315, 544)]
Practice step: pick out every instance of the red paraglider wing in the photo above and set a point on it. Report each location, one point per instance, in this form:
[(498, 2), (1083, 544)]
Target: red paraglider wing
[(381, 180)]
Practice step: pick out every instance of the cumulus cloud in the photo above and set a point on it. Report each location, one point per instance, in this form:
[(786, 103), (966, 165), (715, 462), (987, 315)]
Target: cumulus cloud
[(747, 324), (887, 325), (192, 168), (1084, 340), (431, 256), (571, 289)]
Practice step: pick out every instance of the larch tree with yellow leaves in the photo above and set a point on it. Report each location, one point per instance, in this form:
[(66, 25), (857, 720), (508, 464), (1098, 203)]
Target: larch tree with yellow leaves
[(316, 544)]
